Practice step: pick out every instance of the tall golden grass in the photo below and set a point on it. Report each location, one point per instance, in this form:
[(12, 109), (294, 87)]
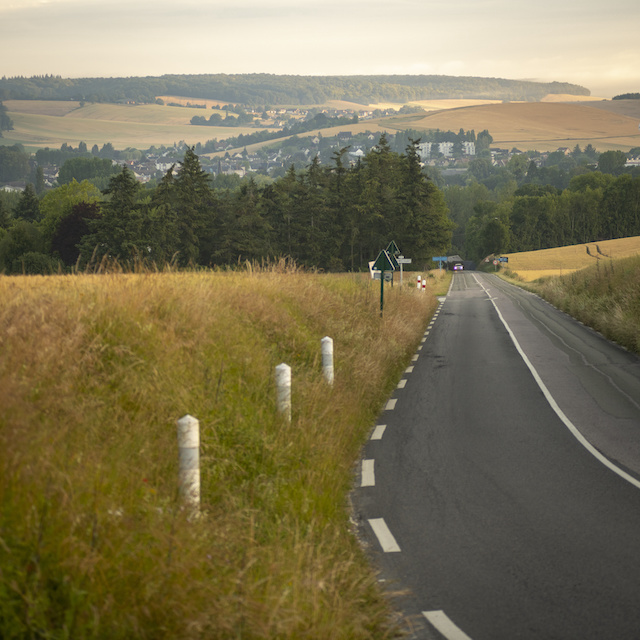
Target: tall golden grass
[(94, 372), (531, 265), (604, 296)]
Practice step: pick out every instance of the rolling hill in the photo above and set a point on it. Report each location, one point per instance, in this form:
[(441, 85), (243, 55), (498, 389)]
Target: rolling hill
[(544, 126)]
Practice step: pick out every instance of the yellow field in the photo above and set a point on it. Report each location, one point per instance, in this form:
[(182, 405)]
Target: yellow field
[(49, 124), (531, 265), (543, 126)]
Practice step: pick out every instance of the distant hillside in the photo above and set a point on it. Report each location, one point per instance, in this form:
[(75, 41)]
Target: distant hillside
[(268, 89)]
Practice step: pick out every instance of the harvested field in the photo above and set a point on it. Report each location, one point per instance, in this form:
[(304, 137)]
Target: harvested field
[(531, 265), (543, 126)]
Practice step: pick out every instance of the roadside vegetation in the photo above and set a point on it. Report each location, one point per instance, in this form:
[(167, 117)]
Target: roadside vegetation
[(604, 296), (94, 372)]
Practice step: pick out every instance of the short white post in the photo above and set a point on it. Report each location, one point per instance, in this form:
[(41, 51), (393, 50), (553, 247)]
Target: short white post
[(327, 359), (419, 283), (424, 284), (283, 390), (189, 452)]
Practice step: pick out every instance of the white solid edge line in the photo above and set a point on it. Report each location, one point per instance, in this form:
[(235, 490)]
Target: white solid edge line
[(385, 537), (368, 474), (441, 621), (378, 432), (554, 405), (391, 404)]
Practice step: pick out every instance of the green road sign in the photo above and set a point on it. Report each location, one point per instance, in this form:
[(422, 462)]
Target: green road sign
[(384, 262), (392, 248)]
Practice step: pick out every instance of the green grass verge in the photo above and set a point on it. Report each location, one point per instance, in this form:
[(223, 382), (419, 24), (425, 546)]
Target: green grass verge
[(95, 371)]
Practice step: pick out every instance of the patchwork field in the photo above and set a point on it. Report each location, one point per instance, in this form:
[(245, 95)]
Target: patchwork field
[(531, 265), (544, 126)]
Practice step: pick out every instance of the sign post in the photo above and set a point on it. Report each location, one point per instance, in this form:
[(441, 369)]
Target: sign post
[(383, 263), (402, 260), (440, 259)]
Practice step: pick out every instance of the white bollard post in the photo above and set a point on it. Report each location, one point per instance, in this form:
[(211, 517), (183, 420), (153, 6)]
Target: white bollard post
[(327, 359), (424, 284), (283, 390), (419, 283), (189, 452)]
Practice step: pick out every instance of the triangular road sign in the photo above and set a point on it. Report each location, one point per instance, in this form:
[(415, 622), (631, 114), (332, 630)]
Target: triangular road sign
[(392, 249), (384, 262)]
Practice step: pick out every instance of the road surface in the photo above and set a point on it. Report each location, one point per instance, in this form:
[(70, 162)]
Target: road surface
[(499, 493)]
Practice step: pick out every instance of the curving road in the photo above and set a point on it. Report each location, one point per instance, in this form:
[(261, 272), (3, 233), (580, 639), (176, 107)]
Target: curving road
[(499, 494)]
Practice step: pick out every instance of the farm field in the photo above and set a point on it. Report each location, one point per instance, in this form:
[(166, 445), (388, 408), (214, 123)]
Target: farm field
[(43, 123), (531, 265), (543, 126)]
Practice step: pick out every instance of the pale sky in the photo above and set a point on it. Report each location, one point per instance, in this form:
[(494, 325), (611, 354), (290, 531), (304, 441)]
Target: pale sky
[(594, 43)]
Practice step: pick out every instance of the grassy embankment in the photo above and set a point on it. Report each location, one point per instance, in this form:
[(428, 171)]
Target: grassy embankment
[(605, 296), (600, 287), (94, 372)]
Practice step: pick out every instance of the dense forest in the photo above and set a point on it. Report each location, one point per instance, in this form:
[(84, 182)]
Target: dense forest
[(261, 89), (333, 218), (530, 204)]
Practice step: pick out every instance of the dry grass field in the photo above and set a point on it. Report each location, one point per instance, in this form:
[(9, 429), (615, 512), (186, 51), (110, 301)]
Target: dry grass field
[(40, 124), (531, 265), (544, 126), (94, 372)]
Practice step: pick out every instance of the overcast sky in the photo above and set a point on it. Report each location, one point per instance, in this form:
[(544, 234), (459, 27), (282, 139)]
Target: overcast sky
[(595, 43)]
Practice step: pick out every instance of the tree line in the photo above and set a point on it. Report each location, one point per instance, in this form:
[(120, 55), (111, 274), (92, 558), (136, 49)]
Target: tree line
[(260, 89), (523, 207), (334, 217)]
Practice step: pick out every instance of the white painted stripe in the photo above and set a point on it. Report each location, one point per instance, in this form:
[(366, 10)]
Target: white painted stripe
[(391, 404), (419, 348), (554, 405), (402, 384), (385, 537), (409, 369), (441, 621), (415, 358), (424, 339), (368, 476), (378, 432), (426, 333)]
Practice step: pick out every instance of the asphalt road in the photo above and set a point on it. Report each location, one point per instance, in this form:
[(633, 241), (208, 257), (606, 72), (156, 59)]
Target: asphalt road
[(499, 493)]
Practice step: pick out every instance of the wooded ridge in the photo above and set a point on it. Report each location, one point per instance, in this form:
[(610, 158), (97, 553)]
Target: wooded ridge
[(263, 88)]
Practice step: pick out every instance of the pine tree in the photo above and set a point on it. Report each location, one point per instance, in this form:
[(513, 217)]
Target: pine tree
[(195, 207), (28, 207)]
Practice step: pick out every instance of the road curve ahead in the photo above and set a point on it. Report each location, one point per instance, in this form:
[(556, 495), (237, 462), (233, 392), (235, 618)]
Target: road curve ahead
[(499, 493)]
